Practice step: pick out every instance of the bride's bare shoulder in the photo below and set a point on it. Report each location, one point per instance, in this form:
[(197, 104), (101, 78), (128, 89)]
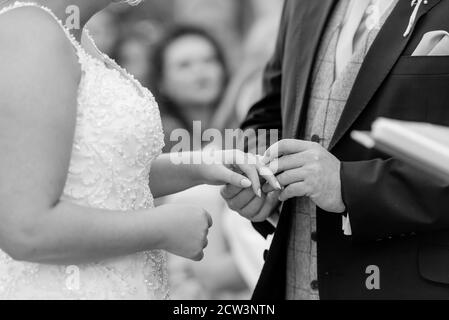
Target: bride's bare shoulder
[(30, 29), (33, 40), (26, 17)]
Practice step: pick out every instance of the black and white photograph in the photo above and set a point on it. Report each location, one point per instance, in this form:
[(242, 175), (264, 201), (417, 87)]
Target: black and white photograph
[(224, 157)]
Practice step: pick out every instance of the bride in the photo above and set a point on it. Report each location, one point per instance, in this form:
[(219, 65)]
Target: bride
[(78, 136)]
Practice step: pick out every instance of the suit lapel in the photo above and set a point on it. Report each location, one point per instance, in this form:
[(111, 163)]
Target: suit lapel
[(383, 55), (312, 21)]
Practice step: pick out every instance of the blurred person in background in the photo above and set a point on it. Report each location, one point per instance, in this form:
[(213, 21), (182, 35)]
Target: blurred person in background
[(134, 46), (189, 78), (235, 256), (126, 39), (191, 72), (258, 46), (246, 245)]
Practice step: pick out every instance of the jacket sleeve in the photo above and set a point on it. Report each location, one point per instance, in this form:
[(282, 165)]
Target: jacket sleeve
[(388, 198), (266, 114)]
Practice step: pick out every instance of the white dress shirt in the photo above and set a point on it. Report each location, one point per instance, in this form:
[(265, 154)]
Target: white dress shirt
[(362, 16)]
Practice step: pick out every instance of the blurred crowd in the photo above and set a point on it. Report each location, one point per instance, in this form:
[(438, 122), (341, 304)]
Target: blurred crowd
[(203, 60)]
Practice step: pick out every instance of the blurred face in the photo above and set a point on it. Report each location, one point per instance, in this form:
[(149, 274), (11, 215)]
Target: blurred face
[(134, 58), (193, 75)]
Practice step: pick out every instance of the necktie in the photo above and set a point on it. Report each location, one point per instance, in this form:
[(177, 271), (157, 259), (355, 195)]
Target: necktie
[(353, 32)]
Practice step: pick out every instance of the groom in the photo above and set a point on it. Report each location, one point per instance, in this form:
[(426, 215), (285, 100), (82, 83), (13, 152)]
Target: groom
[(354, 223)]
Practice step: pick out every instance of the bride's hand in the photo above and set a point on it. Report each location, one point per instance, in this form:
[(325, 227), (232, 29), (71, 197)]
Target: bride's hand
[(186, 230), (236, 168)]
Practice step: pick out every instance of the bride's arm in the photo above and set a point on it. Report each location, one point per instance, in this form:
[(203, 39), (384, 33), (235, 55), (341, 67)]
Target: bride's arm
[(38, 92), (66, 234), (175, 172), (172, 173), (167, 177)]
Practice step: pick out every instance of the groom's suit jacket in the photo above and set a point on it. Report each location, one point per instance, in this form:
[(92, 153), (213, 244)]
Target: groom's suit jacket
[(399, 215)]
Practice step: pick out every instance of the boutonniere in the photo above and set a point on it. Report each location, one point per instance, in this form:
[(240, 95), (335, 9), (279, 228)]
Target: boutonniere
[(417, 4)]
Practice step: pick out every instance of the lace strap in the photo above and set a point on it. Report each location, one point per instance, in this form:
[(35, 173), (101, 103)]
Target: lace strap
[(18, 4), (114, 65)]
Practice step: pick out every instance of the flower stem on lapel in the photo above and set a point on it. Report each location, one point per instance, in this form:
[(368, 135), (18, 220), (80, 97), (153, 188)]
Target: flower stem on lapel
[(417, 4)]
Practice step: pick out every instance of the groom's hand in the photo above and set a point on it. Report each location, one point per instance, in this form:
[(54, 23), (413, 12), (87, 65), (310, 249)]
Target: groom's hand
[(306, 169), (249, 205)]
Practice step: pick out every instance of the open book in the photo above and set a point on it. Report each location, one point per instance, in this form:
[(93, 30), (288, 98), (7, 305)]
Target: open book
[(420, 144)]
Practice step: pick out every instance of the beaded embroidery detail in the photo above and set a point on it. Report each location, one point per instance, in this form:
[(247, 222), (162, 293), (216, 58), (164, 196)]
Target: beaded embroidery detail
[(118, 135)]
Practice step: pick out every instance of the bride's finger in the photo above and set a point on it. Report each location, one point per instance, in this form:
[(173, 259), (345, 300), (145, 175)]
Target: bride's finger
[(265, 171), (235, 179), (246, 163), (269, 176), (253, 175), (267, 188)]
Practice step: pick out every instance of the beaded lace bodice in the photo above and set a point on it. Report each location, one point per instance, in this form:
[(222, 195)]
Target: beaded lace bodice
[(118, 134)]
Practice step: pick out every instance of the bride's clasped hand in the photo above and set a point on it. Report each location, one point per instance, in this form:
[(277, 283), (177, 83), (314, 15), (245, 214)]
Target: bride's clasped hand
[(231, 167), (188, 225)]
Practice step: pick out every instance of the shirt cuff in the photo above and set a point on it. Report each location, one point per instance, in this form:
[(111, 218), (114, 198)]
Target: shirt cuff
[(346, 225)]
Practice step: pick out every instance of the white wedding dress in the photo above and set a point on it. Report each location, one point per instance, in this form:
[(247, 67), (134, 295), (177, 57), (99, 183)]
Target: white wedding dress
[(118, 134)]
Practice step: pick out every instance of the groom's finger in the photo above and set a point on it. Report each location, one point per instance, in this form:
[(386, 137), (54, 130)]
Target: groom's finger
[(230, 191), (299, 189), (253, 208), (292, 176), (270, 204), (285, 147), (238, 180), (253, 175), (269, 176), (287, 178), (267, 188), (290, 161), (242, 200)]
